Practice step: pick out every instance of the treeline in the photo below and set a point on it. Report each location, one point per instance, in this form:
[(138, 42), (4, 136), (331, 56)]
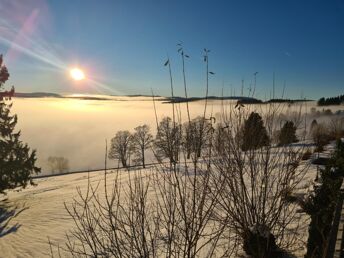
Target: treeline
[(331, 101), (194, 138), (244, 100), (291, 101)]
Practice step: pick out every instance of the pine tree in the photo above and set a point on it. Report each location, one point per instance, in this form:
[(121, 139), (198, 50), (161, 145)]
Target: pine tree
[(17, 162), (254, 134), (287, 134)]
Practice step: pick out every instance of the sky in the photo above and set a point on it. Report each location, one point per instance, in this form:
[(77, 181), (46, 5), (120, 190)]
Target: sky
[(122, 46)]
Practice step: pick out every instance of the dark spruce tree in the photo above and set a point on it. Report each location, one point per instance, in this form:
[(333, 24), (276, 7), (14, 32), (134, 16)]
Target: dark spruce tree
[(17, 161), (287, 134), (254, 135)]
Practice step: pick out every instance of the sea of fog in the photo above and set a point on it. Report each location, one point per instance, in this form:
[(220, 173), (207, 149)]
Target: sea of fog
[(77, 128)]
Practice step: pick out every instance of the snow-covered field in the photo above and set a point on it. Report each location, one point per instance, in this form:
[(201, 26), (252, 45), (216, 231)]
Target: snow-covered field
[(76, 129), (45, 215)]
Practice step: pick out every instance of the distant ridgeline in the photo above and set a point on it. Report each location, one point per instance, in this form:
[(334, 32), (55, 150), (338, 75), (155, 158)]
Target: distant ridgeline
[(36, 95), (331, 101), (243, 100), (286, 100)]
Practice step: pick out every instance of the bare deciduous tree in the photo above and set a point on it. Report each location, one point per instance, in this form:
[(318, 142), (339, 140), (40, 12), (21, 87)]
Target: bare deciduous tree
[(320, 135), (58, 164), (121, 147), (168, 140), (142, 139), (194, 141)]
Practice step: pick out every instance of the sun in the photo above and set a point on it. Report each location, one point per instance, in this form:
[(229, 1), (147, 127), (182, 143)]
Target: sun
[(77, 74)]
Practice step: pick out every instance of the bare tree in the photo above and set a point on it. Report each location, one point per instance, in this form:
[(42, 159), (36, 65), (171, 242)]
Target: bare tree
[(320, 135), (121, 147), (168, 140), (195, 141), (142, 140), (58, 164)]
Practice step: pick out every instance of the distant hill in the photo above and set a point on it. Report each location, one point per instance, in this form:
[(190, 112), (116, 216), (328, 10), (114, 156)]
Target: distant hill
[(176, 99), (244, 100), (37, 95), (286, 100), (331, 101)]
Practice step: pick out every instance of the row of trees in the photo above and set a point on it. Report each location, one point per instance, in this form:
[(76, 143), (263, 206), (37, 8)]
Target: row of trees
[(124, 145), (193, 137), (331, 101)]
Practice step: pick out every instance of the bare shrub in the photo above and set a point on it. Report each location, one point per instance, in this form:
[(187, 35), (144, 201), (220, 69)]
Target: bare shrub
[(253, 188), (145, 214)]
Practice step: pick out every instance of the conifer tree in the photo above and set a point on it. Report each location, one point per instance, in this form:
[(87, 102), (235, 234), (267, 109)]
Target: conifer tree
[(254, 134), (17, 161), (287, 134)]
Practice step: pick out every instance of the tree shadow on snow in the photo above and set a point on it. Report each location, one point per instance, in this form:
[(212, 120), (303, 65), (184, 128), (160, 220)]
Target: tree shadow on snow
[(7, 213)]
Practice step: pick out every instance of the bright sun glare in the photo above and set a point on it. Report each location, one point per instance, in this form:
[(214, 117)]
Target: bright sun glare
[(77, 74)]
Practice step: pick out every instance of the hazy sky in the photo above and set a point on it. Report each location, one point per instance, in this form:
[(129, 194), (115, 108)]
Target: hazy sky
[(122, 45)]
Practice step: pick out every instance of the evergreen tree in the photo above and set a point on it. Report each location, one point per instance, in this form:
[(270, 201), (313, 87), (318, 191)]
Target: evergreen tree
[(254, 134), (17, 162), (314, 124), (287, 134)]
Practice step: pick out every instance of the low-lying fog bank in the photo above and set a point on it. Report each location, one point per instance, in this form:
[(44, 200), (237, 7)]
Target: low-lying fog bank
[(76, 128)]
